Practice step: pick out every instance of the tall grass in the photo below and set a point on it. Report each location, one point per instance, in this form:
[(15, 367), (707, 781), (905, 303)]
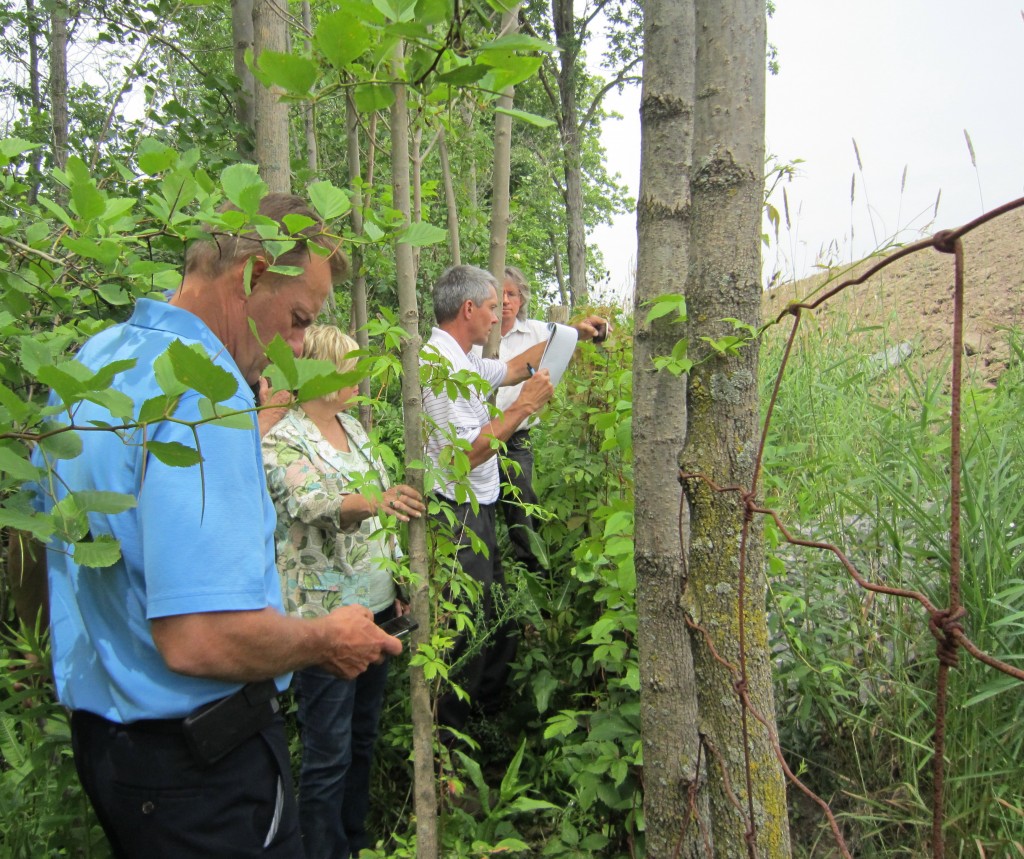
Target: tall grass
[(858, 455)]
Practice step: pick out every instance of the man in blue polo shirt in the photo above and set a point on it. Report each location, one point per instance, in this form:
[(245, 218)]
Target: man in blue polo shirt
[(189, 622)]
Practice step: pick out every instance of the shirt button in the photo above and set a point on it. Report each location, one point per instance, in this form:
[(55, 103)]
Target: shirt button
[(148, 807)]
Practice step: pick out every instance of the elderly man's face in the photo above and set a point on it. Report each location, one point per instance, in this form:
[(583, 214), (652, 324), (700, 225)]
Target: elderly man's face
[(484, 317), (282, 305), (511, 301)]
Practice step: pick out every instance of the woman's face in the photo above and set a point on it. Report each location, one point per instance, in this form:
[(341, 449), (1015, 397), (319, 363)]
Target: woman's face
[(345, 397)]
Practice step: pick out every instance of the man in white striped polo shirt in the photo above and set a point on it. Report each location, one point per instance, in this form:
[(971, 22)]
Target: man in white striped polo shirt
[(466, 302), (465, 306)]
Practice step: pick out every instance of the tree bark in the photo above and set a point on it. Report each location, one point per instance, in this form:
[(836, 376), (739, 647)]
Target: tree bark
[(451, 206), (309, 111), (59, 82), (500, 175), (242, 33), (675, 805), (699, 221), (425, 797), (270, 33), (569, 130), (727, 188), (360, 314)]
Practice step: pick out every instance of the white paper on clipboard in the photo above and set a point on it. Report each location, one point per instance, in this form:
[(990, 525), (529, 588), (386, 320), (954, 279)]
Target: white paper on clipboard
[(558, 352)]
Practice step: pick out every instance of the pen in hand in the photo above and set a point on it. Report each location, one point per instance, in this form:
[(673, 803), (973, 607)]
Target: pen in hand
[(529, 368)]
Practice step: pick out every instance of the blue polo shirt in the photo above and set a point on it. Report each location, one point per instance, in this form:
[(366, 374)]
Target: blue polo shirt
[(200, 540)]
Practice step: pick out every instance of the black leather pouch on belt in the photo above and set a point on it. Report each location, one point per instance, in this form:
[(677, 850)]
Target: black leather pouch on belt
[(214, 729)]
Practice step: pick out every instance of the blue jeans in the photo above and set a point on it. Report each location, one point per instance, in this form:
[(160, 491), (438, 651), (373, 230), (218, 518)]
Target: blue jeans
[(338, 722)]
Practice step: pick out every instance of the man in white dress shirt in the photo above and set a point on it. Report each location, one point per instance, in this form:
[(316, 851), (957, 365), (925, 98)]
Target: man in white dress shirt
[(465, 307)]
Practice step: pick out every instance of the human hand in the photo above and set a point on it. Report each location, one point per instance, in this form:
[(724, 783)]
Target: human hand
[(277, 403), (536, 391), (595, 328), (356, 642), (403, 502)]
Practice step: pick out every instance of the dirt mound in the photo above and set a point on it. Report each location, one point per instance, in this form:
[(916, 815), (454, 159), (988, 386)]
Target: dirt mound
[(912, 299)]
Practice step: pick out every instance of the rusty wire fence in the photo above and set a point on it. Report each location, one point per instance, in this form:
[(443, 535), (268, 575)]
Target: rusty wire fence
[(947, 621)]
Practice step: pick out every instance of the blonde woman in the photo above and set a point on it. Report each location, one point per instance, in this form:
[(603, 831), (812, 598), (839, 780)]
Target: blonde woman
[(330, 491)]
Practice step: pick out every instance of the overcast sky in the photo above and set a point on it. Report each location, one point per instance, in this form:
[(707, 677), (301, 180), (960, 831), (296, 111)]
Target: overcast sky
[(905, 79)]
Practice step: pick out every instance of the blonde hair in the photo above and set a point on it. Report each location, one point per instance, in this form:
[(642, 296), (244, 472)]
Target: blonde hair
[(330, 343)]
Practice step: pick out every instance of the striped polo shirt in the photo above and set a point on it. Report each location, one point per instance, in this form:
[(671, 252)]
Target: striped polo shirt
[(465, 416)]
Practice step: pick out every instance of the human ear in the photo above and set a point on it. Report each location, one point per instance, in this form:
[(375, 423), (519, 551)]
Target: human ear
[(250, 271)]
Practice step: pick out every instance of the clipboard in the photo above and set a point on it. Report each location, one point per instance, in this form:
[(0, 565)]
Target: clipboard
[(558, 352)]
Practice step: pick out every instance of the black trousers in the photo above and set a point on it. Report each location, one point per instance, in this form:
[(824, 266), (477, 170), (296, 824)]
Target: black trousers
[(519, 522), (155, 801), (485, 675)]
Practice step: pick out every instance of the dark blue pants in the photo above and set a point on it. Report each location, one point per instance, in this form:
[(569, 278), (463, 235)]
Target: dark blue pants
[(155, 801), (338, 721), (518, 520)]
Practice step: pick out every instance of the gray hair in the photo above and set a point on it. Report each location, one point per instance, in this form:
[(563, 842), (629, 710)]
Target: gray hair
[(459, 283), (519, 279)]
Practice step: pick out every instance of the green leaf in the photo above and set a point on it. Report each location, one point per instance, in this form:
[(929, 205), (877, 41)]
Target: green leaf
[(229, 418), (543, 684), (463, 75), (118, 403), (372, 231), (529, 118), (243, 187), (295, 223), (163, 371), (62, 445), (291, 72), (341, 38), (421, 233), (154, 157), (12, 146), (57, 211), (174, 453), (16, 465), (282, 357), (196, 370), (398, 11), (113, 294), (108, 503), (157, 408), (105, 251), (39, 526), (431, 12), (102, 551), (372, 97), (519, 42), (328, 200), (87, 201)]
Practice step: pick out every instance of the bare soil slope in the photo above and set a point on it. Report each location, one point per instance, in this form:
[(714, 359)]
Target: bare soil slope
[(913, 298)]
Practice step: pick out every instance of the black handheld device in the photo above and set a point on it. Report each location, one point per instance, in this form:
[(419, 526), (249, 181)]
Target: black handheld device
[(399, 626)]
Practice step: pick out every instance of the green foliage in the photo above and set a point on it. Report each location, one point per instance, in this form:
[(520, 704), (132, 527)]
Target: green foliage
[(46, 813)]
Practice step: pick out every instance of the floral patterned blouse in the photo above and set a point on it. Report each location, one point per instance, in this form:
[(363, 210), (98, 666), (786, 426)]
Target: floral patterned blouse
[(322, 565)]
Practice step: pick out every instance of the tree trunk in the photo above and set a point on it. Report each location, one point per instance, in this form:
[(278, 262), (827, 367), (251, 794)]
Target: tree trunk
[(569, 130), (242, 33), (449, 198), (59, 82), (699, 220), (360, 314), (500, 175), (270, 33), (32, 21), (417, 187), (673, 764), (309, 111), (425, 797)]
